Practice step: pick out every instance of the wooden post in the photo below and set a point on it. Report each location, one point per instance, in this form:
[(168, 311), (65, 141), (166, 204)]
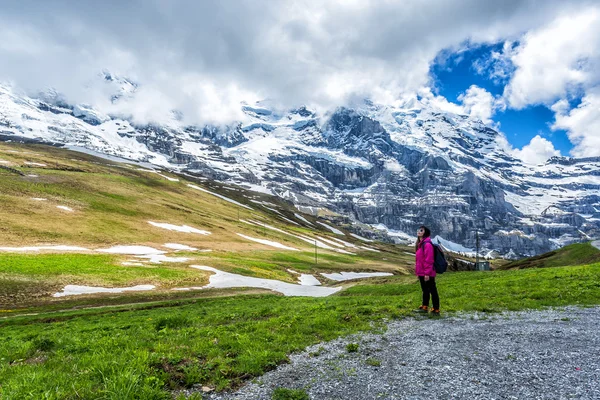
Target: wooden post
[(477, 250)]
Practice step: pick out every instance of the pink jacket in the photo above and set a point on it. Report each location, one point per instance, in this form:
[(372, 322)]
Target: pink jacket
[(424, 259)]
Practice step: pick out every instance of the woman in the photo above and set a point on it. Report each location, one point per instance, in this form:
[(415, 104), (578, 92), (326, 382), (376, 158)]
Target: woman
[(424, 255)]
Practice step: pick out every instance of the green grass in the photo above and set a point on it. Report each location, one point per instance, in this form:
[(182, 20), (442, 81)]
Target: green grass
[(352, 347), (26, 276), (145, 345), (289, 394), (373, 362), (30, 279), (574, 254), (137, 353)]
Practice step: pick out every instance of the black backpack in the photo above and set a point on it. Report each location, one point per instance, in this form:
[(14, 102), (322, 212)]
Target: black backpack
[(439, 260)]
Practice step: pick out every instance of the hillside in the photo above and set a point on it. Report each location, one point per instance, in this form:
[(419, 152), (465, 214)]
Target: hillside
[(575, 254), (70, 218), (64, 213), (390, 167)]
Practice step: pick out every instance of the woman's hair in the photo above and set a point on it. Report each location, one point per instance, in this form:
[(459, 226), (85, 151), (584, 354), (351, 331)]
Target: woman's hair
[(426, 234)]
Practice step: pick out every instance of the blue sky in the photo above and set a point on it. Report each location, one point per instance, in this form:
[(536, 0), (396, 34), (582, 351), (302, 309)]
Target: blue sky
[(455, 73)]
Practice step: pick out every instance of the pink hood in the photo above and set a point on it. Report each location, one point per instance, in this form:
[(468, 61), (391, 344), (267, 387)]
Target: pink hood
[(424, 259)]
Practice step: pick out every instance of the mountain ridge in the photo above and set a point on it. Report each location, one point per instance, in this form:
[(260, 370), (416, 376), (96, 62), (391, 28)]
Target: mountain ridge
[(392, 167)]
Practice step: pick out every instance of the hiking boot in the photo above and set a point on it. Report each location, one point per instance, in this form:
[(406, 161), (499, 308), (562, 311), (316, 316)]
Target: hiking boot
[(422, 309), (435, 312)]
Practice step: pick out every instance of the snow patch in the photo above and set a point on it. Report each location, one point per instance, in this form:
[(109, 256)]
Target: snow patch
[(65, 208), (402, 236), (74, 290), (224, 280), (219, 196), (370, 249), (268, 242), (160, 258), (331, 242), (132, 250), (346, 276), (332, 229), (301, 218), (308, 280), (451, 246), (176, 228), (364, 239)]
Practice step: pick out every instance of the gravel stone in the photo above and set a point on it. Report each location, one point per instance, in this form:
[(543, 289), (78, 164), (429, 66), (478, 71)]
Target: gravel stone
[(550, 354)]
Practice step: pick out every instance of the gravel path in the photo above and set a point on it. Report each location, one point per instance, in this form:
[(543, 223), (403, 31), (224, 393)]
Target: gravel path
[(551, 354)]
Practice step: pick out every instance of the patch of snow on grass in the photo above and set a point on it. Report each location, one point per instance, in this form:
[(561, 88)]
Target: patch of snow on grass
[(219, 196), (132, 250), (159, 174), (160, 258), (74, 290), (457, 248), (268, 242), (168, 178), (347, 244), (370, 249), (402, 236), (177, 228), (224, 280), (345, 252), (346, 276), (308, 280), (301, 218), (332, 229), (38, 199), (318, 243), (35, 164), (331, 242), (65, 208), (364, 239), (289, 220)]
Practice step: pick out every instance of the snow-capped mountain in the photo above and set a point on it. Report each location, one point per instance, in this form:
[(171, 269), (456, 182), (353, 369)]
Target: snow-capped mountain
[(391, 167)]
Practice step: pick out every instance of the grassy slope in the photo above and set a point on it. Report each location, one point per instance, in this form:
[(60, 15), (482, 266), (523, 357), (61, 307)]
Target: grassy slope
[(139, 352), (575, 254), (112, 205), (146, 344)]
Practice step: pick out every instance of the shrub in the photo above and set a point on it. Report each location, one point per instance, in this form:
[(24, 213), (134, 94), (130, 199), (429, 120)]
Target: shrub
[(352, 347), (289, 394)]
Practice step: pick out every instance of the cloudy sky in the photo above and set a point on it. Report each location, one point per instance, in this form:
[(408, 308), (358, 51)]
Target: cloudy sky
[(529, 68)]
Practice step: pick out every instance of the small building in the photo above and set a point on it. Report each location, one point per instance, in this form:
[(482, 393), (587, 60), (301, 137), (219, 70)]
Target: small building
[(482, 266)]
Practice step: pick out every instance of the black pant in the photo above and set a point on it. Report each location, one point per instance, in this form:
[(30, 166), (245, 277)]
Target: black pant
[(429, 289)]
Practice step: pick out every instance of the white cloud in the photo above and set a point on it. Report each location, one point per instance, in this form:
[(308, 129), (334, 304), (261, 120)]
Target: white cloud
[(439, 102), (481, 104), (476, 102), (581, 123), (538, 151), (205, 57), (557, 59)]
